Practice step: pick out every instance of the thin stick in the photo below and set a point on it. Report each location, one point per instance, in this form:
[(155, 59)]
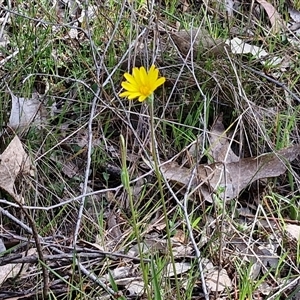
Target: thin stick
[(278, 83), (37, 238)]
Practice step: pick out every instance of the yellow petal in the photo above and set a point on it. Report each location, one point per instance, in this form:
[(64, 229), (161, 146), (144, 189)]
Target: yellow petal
[(153, 74), (136, 75), (142, 98), (143, 76), (159, 82), (125, 94), (134, 95), (129, 87), (130, 79)]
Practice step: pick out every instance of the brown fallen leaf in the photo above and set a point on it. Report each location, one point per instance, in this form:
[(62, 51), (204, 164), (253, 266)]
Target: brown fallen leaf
[(229, 174), (233, 177), (200, 41), (274, 17), (181, 175), (227, 180), (220, 148), (13, 161)]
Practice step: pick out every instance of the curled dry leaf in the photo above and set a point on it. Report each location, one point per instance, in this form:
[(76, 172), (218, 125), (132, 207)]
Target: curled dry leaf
[(13, 161), (274, 17)]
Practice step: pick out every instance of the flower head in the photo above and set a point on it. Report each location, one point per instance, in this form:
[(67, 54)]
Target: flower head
[(141, 84)]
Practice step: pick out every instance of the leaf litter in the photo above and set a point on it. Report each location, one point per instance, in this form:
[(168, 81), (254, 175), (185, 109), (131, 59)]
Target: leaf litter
[(215, 179), (14, 161), (26, 111), (229, 175), (16, 269)]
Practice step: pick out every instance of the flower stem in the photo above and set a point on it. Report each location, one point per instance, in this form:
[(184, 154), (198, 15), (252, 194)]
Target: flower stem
[(155, 156), (126, 183)]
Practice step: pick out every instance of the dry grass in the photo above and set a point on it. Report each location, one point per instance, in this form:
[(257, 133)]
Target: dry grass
[(77, 200)]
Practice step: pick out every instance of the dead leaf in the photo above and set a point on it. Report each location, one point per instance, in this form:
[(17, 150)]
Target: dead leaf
[(220, 148), (26, 111), (172, 171), (229, 6), (135, 288), (294, 231), (2, 246), (274, 17), (218, 281), (12, 270), (294, 14), (238, 46), (199, 40), (180, 268), (13, 161), (229, 179)]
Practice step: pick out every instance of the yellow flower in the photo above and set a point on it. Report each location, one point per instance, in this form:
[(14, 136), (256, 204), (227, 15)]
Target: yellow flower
[(141, 84)]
